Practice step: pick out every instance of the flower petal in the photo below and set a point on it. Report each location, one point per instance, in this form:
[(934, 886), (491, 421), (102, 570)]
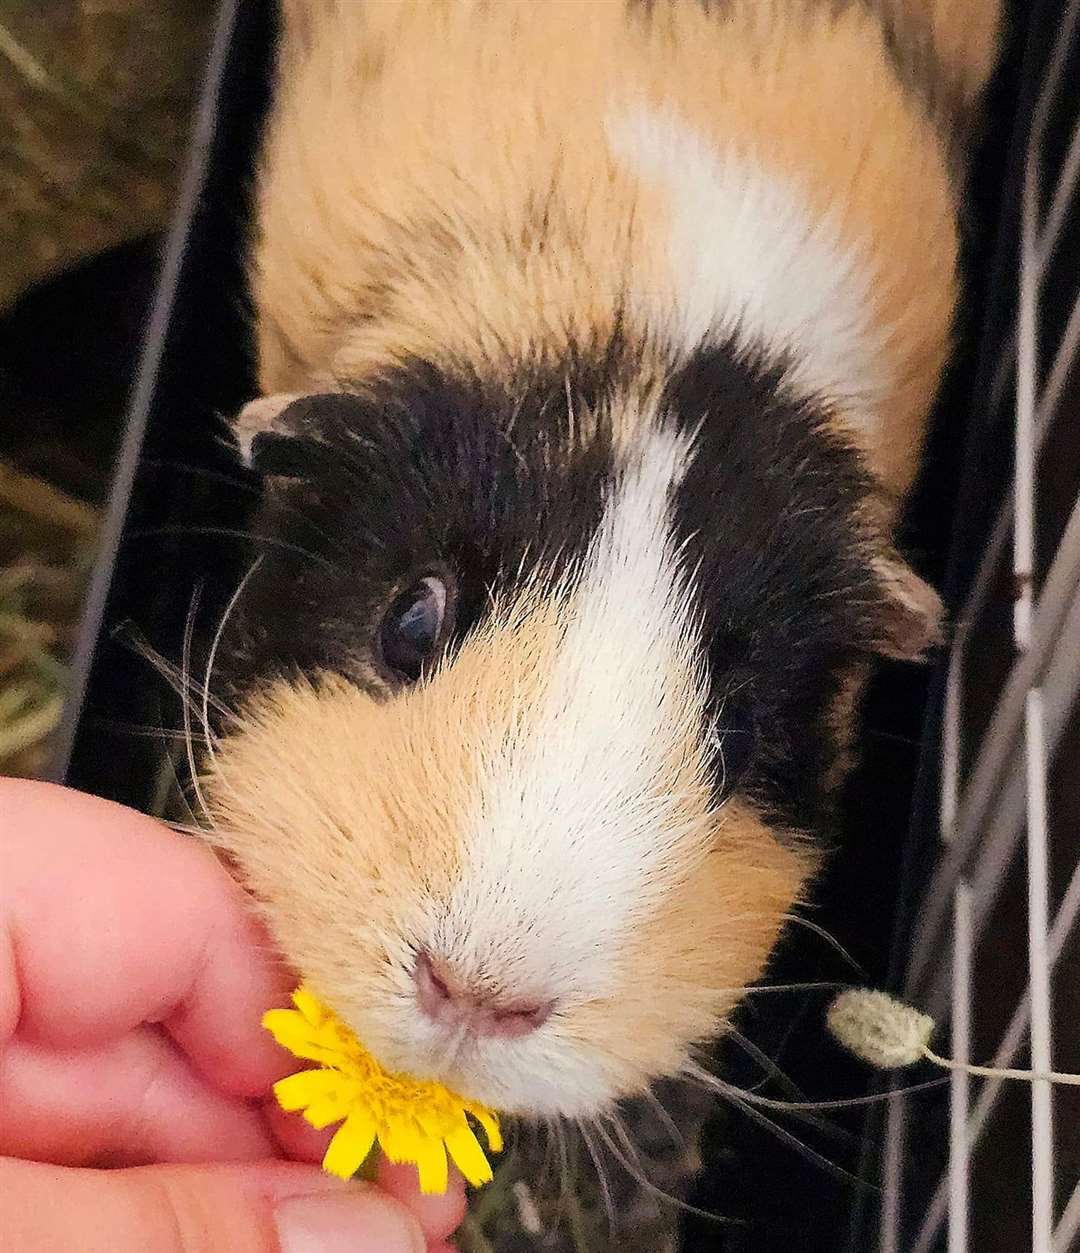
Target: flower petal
[(465, 1149), (434, 1122), (302, 1040), (350, 1146), (415, 1121), (310, 1009), (289, 1029), (305, 1087), (490, 1123), (320, 1114), (285, 1024), (431, 1166), (400, 1140)]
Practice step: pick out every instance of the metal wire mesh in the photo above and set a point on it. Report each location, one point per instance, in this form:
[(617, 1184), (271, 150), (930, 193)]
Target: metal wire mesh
[(1009, 877)]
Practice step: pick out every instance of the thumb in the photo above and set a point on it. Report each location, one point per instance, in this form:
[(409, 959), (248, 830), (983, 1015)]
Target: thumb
[(269, 1207)]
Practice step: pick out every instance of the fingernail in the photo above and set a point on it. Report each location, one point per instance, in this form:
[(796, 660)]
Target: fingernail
[(364, 1221)]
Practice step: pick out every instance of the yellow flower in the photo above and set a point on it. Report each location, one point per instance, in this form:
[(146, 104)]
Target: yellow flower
[(413, 1120)]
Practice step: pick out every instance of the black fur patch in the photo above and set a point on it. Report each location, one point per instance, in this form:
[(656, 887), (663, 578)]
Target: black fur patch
[(769, 516), (489, 477), (423, 469)]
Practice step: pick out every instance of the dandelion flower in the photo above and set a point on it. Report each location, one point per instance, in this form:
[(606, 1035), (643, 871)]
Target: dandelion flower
[(413, 1120)]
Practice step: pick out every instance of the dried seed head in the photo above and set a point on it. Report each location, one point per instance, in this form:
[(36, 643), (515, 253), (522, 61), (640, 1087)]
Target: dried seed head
[(878, 1029)]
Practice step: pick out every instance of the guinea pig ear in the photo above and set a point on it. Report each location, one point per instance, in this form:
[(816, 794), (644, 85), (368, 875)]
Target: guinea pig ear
[(912, 615), (261, 417)]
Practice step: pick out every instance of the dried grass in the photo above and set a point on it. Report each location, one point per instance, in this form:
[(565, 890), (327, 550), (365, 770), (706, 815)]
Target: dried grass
[(46, 547), (95, 102), (95, 97)]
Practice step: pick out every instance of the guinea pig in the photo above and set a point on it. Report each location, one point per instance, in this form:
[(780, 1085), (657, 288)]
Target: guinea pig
[(596, 343)]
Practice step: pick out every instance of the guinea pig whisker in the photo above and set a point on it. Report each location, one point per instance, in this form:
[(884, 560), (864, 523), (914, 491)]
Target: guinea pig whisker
[(229, 532), (678, 1140), (870, 1098), (718, 748), (556, 1147), (793, 1142), (636, 1172), (252, 489), (619, 1126), (543, 1130), (555, 1163), (186, 828), (796, 1109), (832, 942), (185, 670), (212, 654), (601, 1177), (195, 827), (770, 1067), (569, 1198), (183, 685), (175, 788), (145, 730), (827, 985), (212, 476), (453, 1047), (220, 837), (180, 684)]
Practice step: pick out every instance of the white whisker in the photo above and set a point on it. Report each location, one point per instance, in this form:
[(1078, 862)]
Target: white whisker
[(829, 939), (212, 655), (601, 1177), (636, 1172), (185, 671)]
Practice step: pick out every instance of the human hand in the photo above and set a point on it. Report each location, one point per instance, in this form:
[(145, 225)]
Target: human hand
[(132, 981)]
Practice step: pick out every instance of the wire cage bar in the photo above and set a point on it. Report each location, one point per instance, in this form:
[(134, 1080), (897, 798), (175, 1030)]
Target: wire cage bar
[(996, 813)]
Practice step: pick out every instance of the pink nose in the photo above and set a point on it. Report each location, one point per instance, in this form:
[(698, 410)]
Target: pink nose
[(446, 1000)]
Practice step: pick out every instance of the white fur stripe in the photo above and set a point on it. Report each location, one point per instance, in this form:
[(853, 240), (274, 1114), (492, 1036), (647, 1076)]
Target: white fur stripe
[(750, 259), (579, 828)]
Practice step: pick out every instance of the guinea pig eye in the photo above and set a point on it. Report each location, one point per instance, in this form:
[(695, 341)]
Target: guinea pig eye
[(414, 627)]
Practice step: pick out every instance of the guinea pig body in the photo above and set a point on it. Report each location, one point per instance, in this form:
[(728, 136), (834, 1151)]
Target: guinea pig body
[(597, 343)]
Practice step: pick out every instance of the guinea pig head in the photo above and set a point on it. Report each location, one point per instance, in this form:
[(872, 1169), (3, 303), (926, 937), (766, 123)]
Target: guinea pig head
[(535, 689)]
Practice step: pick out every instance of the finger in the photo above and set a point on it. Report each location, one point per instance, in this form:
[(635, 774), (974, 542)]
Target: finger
[(128, 1102), (112, 920), (439, 1215), (296, 1137), (264, 1208)]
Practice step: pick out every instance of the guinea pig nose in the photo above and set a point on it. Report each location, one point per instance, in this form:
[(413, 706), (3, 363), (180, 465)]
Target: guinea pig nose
[(448, 1000)]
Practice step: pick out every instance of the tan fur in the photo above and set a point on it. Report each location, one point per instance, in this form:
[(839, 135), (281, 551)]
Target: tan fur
[(711, 938), (963, 33), (472, 117)]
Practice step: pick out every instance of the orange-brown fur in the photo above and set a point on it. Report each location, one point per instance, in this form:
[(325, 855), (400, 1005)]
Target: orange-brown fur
[(362, 124)]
